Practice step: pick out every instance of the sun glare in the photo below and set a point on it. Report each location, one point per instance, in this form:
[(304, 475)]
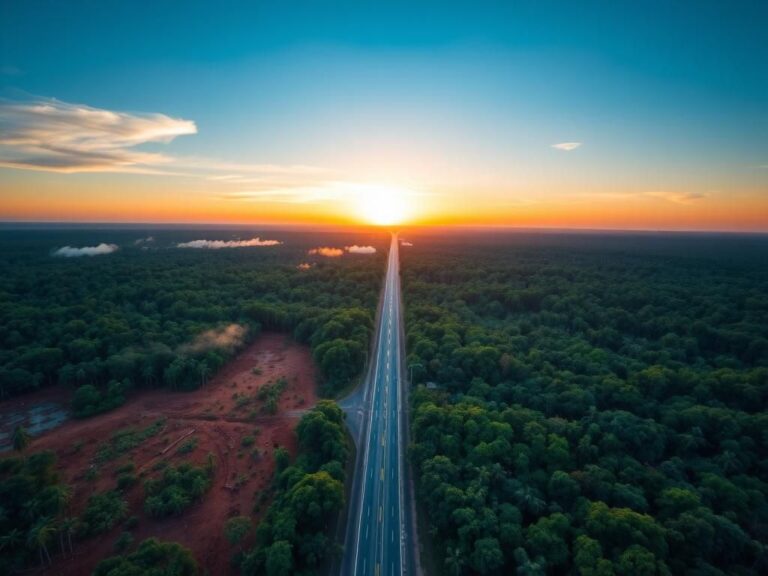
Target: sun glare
[(383, 205)]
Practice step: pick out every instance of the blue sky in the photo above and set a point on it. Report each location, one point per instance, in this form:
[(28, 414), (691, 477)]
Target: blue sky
[(665, 97)]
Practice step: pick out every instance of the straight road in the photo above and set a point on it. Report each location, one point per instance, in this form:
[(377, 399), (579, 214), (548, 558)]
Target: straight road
[(379, 524)]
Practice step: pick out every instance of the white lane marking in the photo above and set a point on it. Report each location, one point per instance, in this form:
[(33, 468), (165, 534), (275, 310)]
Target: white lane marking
[(387, 290), (389, 297)]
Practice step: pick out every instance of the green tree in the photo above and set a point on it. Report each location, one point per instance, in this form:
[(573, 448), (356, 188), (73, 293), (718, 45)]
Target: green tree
[(39, 536), (151, 557), (279, 559), (236, 529)]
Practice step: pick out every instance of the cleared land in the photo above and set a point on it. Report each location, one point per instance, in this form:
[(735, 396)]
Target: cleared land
[(230, 417)]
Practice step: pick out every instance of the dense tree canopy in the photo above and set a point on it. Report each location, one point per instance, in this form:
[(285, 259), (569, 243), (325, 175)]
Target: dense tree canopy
[(107, 324), (600, 405)]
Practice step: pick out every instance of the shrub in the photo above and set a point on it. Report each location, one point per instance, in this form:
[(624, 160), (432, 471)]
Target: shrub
[(178, 488), (102, 512)]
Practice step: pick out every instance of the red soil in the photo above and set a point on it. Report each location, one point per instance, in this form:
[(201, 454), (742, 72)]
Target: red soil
[(219, 426)]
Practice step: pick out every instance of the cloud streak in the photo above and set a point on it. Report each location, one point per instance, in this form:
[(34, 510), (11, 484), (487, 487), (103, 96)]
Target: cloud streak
[(60, 137), (219, 244), (50, 135), (73, 252), (360, 249), (566, 146), (676, 197), (326, 251)]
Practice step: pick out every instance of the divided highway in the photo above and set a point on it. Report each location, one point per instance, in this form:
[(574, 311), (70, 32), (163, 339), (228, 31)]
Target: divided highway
[(378, 527)]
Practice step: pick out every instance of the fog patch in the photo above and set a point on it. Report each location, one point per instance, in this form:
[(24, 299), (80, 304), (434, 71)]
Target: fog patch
[(304, 266), (230, 336), (219, 244), (360, 249), (406, 243), (74, 252), (142, 241), (326, 251)]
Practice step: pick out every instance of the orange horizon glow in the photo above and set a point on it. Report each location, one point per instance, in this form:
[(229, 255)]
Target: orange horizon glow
[(630, 216), (386, 206)]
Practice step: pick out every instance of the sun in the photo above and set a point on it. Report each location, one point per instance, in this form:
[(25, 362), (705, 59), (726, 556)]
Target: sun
[(383, 205)]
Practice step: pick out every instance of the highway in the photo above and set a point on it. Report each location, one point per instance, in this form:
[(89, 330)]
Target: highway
[(379, 524)]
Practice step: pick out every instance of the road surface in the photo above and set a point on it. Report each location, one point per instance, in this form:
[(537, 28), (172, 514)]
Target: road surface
[(378, 527)]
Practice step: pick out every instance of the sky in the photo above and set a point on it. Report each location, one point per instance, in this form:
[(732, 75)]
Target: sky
[(617, 115)]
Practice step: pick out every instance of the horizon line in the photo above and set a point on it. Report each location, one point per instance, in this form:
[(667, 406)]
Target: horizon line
[(405, 226)]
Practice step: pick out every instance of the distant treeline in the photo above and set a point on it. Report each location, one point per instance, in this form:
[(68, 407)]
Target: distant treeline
[(600, 404), (107, 324)]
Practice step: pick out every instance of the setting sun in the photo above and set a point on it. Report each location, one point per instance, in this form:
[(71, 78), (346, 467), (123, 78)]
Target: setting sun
[(383, 205)]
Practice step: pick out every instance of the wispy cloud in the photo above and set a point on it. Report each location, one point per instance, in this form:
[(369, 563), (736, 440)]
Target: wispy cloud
[(219, 244), (73, 252), (291, 193), (318, 189), (566, 146), (61, 137), (676, 197), (50, 135)]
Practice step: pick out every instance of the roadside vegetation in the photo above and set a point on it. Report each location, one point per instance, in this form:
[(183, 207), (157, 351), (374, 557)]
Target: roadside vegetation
[(596, 405), (295, 536)]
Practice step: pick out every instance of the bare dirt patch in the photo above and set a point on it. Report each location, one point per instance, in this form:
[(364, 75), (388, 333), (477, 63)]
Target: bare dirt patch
[(228, 418)]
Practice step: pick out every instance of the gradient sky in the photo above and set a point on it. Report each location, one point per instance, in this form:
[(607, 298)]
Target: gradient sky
[(648, 114)]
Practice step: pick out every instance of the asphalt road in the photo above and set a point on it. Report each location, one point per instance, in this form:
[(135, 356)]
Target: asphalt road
[(378, 525)]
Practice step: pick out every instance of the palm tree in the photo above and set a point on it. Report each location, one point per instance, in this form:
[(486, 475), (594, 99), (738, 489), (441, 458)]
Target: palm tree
[(39, 536), (68, 525), (62, 494), (21, 438)]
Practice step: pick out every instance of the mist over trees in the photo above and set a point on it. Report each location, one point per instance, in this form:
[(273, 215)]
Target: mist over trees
[(600, 403)]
